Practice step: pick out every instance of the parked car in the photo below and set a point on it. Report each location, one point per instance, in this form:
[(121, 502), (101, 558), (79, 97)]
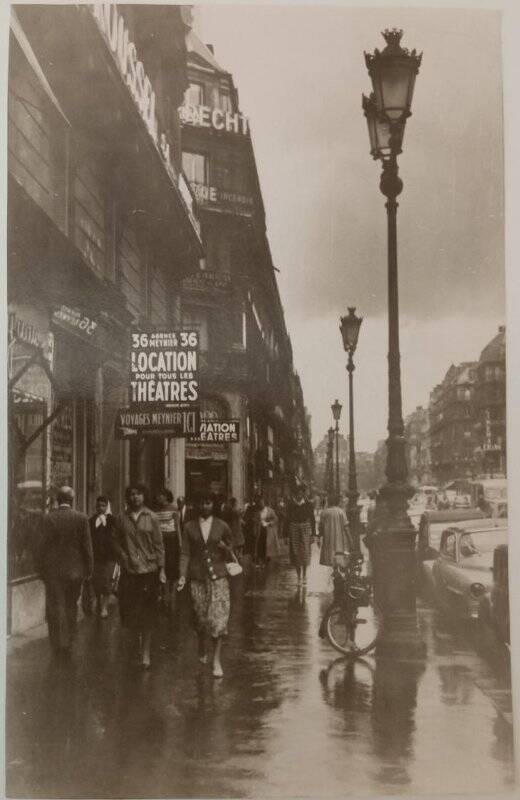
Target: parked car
[(493, 611), (462, 574), (490, 494), (431, 526)]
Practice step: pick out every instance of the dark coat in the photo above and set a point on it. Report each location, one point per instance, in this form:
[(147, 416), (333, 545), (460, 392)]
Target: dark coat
[(195, 551), (102, 539), (66, 550)]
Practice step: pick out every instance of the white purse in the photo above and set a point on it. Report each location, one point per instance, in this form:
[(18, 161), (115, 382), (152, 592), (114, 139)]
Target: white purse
[(233, 567)]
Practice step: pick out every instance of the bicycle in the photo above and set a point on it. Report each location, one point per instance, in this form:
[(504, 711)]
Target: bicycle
[(349, 632)]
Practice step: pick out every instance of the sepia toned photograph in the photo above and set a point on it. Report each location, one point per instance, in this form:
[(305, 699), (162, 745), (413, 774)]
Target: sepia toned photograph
[(257, 457)]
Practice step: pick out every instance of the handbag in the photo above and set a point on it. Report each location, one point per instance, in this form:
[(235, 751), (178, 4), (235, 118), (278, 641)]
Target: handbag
[(233, 568)]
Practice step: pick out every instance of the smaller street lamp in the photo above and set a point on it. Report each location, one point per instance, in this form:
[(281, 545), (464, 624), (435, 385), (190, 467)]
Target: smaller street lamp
[(349, 327), (336, 413), (329, 478)]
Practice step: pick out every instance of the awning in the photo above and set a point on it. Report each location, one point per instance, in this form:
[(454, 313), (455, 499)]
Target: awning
[(21, 38)]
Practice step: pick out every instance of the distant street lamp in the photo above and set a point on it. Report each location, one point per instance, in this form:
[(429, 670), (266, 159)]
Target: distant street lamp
[(393, 72), (349, 327), (336, 413)]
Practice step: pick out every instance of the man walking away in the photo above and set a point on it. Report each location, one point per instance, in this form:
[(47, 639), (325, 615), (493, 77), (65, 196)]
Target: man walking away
[(334, 532), (66, 560)]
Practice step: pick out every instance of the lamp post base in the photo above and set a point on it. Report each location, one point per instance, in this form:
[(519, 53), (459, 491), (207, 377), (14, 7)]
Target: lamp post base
[(392, 547)]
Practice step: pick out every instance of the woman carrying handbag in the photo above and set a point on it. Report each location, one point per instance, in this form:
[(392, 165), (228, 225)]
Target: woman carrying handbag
[(205, 553)]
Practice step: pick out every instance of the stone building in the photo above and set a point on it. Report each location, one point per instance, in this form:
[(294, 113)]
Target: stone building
[(234, 302)]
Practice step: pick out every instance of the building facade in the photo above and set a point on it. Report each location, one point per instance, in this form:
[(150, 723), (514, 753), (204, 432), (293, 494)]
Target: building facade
[(490, 408), (101, 230), (247, 364), (452, 424), (418, 450), (364, 466)]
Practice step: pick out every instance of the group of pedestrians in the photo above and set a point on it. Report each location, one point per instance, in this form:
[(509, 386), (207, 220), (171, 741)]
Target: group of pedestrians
[(152, 554)]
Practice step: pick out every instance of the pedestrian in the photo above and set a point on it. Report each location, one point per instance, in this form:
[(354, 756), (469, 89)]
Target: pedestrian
[(334, 532), (206, 546), (169, 525), (251, 527), (101, 532), (233, 518), (269, 527), (302, 526), (139, 548), (65, 561)]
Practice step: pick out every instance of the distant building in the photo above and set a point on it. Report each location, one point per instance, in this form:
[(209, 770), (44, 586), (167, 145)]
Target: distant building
[(364, 466), (490, 407), (418, 450), (452, 424)]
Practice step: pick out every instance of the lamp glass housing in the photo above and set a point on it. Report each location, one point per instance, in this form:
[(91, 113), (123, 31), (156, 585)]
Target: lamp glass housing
[(393, 72), (349, 327), (385, 138), (336, 410)]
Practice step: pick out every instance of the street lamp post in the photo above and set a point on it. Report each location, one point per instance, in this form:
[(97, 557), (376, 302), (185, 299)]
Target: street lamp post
[(393, 72), (336, 413), (329, 471), (349, 327)]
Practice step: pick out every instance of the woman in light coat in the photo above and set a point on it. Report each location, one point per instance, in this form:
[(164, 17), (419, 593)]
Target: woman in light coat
[(334, 532)]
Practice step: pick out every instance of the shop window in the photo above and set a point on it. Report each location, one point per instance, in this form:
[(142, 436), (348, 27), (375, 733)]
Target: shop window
[(194, 95), (225, 102), (30, 404), (194, 166)]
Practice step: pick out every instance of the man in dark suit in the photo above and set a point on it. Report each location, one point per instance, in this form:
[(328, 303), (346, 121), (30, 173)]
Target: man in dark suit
[(66, 560)]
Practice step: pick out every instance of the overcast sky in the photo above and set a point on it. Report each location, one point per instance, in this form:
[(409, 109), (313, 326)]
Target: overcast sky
[(300, 73)]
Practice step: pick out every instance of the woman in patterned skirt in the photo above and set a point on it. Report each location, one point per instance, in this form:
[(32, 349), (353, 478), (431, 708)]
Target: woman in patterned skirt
[(206, 546), (301, 525)]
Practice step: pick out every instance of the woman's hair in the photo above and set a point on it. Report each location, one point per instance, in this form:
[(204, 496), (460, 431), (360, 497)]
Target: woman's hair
[(102, 499), (166, 492), (138, 487), (333, 499)]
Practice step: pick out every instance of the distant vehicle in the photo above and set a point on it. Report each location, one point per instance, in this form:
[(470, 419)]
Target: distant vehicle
[(462, 574), (493, 611), (490, 494)]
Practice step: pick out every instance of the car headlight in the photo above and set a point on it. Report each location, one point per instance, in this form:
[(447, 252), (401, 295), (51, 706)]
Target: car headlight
[(477, 590)]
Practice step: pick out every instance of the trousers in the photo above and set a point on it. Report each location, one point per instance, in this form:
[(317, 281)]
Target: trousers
[(62, 595)]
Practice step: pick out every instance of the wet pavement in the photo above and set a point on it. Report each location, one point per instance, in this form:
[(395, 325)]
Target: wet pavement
[(289, 718)]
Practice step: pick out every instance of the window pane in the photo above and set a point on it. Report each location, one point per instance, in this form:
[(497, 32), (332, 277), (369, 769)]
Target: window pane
[(194, 95), (194, 166)]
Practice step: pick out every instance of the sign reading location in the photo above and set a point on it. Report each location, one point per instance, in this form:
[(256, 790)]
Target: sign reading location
[(164, 369)]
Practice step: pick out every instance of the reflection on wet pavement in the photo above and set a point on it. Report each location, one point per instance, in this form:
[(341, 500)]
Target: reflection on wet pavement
[(289, 718)]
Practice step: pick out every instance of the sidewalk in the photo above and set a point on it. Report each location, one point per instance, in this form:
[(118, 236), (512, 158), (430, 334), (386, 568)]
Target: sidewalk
[(289, 719)]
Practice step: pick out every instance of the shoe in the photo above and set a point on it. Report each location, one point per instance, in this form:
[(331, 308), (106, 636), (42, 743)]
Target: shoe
[(218, 672), (104, 613), (145, 665), (203, 659)]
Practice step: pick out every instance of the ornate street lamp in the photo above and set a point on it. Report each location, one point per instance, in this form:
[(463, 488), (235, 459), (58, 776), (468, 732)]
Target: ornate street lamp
[(393, 72), (336, 413), (349, 327)]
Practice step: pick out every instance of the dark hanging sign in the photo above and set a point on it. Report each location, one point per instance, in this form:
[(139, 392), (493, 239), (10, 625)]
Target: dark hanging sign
[(131, 423), (213, 431), (76, 321), (164, 369)]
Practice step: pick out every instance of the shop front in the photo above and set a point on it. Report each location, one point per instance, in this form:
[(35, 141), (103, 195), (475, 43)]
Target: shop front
[(208, 463)]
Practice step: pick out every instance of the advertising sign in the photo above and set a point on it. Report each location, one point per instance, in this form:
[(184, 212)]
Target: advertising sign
[(75, 320), (213, 431), (175, 423), (164, 369), (215, 118), (213, 196)]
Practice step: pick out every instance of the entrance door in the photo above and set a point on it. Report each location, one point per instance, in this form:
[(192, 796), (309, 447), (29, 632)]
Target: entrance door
[(206, 475)]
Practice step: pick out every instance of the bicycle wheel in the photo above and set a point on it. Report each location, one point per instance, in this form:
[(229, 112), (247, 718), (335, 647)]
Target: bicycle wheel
[(353, 632)]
